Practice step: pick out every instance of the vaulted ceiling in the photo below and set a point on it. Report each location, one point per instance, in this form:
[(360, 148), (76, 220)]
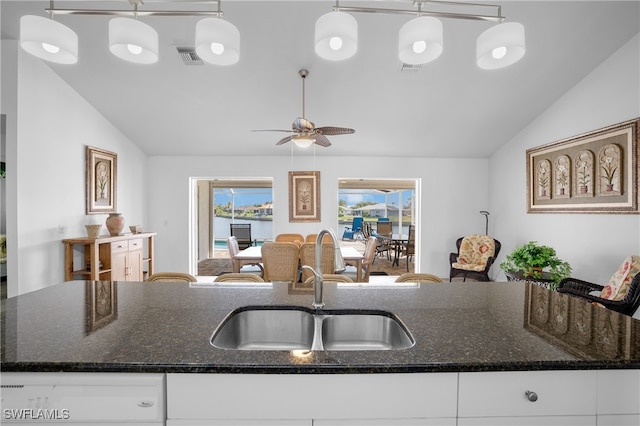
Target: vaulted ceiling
[(449, 108)]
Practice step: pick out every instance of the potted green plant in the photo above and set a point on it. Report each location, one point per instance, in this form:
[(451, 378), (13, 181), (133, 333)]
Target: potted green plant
[(532, 259)]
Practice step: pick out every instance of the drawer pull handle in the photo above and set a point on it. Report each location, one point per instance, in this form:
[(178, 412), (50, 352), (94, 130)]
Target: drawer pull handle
[(531, 396), (145, 404)]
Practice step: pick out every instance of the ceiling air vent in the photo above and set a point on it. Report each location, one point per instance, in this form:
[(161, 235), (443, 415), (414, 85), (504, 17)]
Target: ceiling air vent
[(410, 67), (189, 56)]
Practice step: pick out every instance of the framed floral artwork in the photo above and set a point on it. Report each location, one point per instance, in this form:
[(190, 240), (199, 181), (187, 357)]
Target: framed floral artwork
[(304, 196), (597, 172), (101, 179)]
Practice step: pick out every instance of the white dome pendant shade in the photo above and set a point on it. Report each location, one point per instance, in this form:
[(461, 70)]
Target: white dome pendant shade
[(336, 36), (420, 40), (48, 39), (133, 41), (500, 46), (217, 41)]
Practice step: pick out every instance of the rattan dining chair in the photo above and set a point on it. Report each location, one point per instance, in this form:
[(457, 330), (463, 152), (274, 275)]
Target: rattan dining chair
[(239, 277), (308, 257), (415, 277), (280, 260), (331, 278), (172, 277), (291, 238)]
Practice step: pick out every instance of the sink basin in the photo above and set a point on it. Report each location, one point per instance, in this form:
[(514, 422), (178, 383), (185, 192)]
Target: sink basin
[(267, 328), (358, 332)]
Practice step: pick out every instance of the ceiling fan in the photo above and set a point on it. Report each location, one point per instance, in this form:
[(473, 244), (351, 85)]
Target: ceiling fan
[(304, 131)]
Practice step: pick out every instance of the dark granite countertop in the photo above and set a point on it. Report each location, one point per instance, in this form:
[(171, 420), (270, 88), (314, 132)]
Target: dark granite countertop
[(166, 327)]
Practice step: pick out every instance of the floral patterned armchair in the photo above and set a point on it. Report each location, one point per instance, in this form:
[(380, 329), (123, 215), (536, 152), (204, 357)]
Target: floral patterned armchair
[(476, 254), (621, 294)]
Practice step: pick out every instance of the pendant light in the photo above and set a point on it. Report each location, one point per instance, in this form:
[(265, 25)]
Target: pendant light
[(420, 40), (500, 46), (217, 41), (48, 39), (336, 36), (133, 41)]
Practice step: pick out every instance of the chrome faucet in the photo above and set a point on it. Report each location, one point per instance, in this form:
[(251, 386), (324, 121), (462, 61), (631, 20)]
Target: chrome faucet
[(317, 272)]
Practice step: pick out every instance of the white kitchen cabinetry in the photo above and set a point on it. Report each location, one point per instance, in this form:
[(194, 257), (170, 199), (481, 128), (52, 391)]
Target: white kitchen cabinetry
[(341, 399), (618, 397), (83, 398), (528, 398)]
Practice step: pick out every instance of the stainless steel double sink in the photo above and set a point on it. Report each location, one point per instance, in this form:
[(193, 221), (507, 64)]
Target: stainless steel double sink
[(266, 328)]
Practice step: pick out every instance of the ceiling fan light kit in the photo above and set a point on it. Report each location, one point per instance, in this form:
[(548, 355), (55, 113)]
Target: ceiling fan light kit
[(133, 41), (336, 34), (48, 39)]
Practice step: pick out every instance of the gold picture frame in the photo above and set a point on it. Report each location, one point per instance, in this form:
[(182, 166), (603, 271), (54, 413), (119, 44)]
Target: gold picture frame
[(596, 172), (101, 180), (304, 196)]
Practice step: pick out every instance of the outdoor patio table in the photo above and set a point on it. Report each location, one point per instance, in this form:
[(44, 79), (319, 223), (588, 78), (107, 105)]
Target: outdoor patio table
[(397, 240), (253, 254)]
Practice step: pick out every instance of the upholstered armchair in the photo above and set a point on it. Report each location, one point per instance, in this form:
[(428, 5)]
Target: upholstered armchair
[(621, 294), (476, 254)]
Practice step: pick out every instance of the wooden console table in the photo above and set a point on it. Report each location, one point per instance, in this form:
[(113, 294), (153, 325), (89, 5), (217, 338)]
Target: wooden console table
[(110, 258)]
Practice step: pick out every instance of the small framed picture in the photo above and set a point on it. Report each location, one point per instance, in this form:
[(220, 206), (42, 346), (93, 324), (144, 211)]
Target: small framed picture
[(101, 181), (304, 196)]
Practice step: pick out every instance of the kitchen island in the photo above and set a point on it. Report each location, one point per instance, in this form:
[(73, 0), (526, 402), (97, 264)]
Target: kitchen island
[(463, 331)]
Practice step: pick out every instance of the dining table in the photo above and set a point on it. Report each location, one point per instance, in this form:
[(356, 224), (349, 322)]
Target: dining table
[(253, 255)]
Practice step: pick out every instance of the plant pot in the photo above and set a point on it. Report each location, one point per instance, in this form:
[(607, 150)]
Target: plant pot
[(115, 224)]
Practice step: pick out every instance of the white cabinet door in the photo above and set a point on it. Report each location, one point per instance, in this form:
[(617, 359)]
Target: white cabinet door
[(618, 392), (311, 396), (527, 393)]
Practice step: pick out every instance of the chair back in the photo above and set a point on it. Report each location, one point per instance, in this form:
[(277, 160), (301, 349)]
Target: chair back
[(368, 257), (414, 277), (308, 257), (172, 277), (311, 238), (331, 278), (410, 247), (384, 228), (239, 277), (232, 245), (280, 261), (620, 283), (242, 232), (290, 238), (474, 252), (367, 230), (356, 225)]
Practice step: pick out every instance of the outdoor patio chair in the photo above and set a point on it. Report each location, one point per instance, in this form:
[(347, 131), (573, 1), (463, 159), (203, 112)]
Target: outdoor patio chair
[(242, 232), (352, 232), (408, 249), (383, 233), (369, 256), (476, 254), (621, 294)]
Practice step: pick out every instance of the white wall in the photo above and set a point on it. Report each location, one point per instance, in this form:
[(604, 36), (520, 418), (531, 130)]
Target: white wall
[(453, 193), (54, 124), (594, 244)]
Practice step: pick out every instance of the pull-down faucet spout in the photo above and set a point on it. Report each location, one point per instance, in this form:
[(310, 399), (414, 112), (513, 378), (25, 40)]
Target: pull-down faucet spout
[(317, 272)]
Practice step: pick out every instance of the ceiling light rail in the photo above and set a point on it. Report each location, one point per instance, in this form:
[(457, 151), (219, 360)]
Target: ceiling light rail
[(496, 17), (217, 41), (420, 40)]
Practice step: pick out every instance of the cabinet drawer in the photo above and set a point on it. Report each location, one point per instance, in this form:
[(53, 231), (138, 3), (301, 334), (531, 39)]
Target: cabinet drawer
[(315, 396), (135, 244), (119, 246), (503, 394)]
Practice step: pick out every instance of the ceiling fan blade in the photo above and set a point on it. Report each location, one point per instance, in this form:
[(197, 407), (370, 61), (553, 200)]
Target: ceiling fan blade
[(330, 130), (285, 140), (272, 130), (321, 140)]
